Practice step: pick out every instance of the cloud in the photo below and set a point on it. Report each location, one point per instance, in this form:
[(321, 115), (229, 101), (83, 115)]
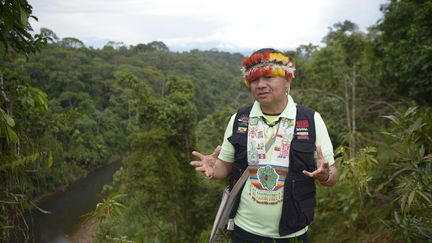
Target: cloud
[(223, 24)]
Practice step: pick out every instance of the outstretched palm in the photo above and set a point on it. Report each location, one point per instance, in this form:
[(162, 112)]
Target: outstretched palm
[(206, 163)]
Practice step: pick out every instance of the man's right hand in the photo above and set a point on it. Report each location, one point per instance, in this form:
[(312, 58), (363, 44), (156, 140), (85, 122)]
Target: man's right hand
[(206, 163)]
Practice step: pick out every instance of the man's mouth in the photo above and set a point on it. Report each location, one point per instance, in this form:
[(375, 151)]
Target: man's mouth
[(261, 94)]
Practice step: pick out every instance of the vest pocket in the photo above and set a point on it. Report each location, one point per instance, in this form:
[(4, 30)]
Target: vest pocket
[(303, 156), (304, 199)]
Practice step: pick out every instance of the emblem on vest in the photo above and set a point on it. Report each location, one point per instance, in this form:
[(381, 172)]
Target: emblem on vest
[(243, 123), (302, 130), (268, 177)]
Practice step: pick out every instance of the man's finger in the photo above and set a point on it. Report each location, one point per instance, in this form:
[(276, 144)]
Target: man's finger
[(196, 163), (201, 169), (198, 155), (307, 173), (216, 152)]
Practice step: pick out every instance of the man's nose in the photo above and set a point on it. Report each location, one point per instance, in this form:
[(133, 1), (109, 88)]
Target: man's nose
[(260, 82)]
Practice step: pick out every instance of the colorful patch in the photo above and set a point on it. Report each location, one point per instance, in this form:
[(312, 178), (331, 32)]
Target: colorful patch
[(303, 137), (255, 178), (302, 123), (260, 146), (302, 130), (241, 129), (254, 121), (268, 177), (243, 121)]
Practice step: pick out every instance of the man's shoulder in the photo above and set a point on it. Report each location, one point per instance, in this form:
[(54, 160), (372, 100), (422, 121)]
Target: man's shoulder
[(245, 109), (305, 108)]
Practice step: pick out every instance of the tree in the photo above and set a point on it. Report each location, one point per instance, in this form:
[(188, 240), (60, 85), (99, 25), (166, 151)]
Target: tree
[(49, 35), (405, 47), (158, 46), (71, 42)]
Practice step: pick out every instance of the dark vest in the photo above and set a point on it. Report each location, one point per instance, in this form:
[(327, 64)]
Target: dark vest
[(299, 190)]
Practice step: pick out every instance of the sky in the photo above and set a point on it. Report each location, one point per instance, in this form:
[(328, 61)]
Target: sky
[(228, 25)]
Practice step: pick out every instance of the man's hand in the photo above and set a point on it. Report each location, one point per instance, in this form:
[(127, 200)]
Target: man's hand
[(322, 173), (206, 163)]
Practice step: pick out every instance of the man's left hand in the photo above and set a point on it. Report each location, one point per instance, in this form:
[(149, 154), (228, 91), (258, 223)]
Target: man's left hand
[(322, 173)]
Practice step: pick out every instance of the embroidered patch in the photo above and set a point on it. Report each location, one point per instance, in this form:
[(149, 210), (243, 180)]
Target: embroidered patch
[(302, 130), (302, 123), (285, 148), (254, 121), (303, 137), (243, 121), (268, 177), (260, 134), (241, 129)]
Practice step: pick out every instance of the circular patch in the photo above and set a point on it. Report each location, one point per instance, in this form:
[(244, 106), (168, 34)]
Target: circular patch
[(268, 177)]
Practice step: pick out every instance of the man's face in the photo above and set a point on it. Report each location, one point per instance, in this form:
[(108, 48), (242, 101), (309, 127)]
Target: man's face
[(269, 90)]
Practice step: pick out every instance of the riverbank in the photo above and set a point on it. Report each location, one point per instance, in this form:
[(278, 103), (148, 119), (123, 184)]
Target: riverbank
[(85, 232), (64, 222), (62, 188)]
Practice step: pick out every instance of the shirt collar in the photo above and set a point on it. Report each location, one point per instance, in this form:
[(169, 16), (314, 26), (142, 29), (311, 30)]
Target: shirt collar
[(289, 111)]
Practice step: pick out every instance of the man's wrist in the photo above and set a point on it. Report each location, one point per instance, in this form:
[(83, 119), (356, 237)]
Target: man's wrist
[(329, 173)]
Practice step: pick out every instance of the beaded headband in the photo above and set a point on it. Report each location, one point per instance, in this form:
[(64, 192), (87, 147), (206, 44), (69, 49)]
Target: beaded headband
[(261, 64)]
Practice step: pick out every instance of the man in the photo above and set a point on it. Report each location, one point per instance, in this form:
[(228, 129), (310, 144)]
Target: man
[(285, 147)]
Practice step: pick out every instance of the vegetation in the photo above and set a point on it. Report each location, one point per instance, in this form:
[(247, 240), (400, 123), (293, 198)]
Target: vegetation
[(66, 109)]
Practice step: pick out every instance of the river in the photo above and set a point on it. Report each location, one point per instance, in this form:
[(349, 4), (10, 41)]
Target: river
[(67, 207)]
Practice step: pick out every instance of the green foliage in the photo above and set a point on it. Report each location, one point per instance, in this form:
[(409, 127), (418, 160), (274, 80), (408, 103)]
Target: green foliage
[(408, 174), (405, 48), (155, 172), (211, 129), (356, 170), (108, 207), (15, 27)]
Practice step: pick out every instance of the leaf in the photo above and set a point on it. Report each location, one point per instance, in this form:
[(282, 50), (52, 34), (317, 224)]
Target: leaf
[(354, 216), (427, 198), (9, 120), (411, 198), (24, 17), (11, 135), (403, 203), (416, 125), (411, 110), (50, 160), (393, 119)]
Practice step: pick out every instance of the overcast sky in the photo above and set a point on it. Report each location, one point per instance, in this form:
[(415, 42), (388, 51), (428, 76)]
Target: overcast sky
[(230, 25)]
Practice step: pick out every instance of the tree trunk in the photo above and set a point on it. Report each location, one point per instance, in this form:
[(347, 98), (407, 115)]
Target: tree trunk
[(353, 115), (348, 114)]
